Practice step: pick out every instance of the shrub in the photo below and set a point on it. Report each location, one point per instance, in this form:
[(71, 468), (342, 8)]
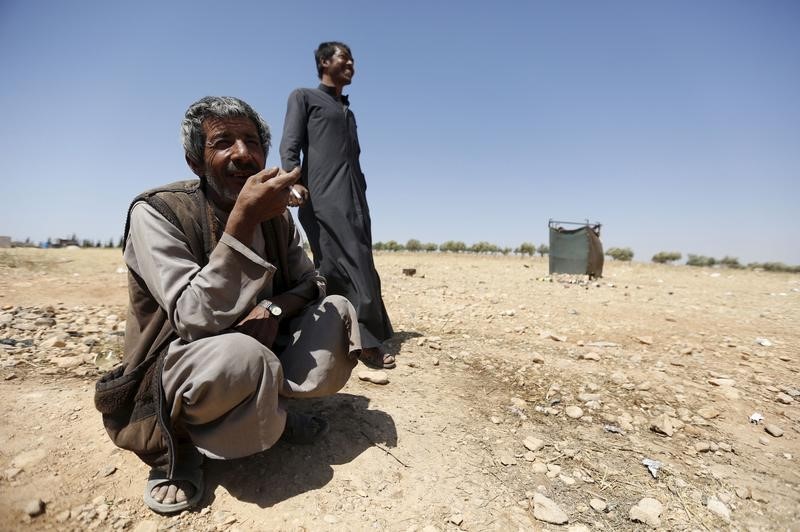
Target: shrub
[(526, 248), (662, 257), (700, 260), (483, 247), (430, 246), (413, 245), (543, 250), (730, 262), (391, 245), (623, 254), (453, 246), (378, 246)]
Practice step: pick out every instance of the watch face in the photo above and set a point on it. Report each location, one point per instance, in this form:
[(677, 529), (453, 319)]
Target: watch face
[(275, 310)]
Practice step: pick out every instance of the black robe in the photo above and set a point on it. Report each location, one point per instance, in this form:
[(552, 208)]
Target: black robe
[(336, 216)]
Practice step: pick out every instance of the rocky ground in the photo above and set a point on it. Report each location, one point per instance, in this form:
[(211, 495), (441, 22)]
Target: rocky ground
[(520, 401)]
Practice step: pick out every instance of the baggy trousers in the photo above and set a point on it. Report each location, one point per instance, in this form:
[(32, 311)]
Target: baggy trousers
[(228, 390)]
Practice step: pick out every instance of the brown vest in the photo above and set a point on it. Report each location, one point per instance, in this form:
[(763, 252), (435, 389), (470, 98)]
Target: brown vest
[(131, 400)]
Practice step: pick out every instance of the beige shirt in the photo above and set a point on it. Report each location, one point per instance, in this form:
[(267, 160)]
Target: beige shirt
[(204, 301)]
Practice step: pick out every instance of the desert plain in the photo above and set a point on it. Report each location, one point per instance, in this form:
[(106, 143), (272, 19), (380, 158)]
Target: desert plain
[(520, 401)]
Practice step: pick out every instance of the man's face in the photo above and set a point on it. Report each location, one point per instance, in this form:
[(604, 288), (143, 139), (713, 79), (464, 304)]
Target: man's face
[(340, 68), (233, 152)]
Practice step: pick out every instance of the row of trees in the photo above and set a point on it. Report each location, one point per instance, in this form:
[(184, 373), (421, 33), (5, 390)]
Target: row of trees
[(668, 257), (455, 246)]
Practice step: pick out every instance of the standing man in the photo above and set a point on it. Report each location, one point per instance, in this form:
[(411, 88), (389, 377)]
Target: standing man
[(332, 195)]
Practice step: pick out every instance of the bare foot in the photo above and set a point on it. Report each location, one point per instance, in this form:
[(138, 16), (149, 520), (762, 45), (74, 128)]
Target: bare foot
[(377, 358), (171, 492)]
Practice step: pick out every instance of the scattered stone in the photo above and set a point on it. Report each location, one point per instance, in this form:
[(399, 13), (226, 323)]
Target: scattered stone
[(11, 473), (63, 517), (718, 507), (591, 355), (756, 418), (54, 341), (763, 440), (662, 425), (146, 526), (569, 481), (507, 460), (456, 519), (598, 505), (602, 344), (34, 507), (575, 412), (763, 342), (410, 272), (647, 511), (374, 376), (702, 447), (536, 358), (496, 420), (532, 444), (784, 398), (435, 361), (539, 468), (646, 340), (722, 382), (108, 471), (708, 412), (774, 430), (548, 511)]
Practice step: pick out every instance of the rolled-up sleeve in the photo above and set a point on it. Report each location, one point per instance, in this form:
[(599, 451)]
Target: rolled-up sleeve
[(200, 301)]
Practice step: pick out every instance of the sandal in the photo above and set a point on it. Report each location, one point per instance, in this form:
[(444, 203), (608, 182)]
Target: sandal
[(376, 358), (158, 477), (302, 429)]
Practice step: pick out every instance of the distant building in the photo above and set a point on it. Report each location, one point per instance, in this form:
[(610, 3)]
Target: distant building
[(5, 241), (64, 242)]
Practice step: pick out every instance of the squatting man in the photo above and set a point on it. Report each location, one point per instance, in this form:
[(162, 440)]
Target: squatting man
[(227, 316)]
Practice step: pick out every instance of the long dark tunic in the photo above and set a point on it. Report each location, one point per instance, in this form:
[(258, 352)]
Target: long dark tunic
[(336, 217)]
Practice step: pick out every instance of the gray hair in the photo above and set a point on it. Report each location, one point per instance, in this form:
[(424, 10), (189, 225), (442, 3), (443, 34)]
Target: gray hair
[(192, 135)]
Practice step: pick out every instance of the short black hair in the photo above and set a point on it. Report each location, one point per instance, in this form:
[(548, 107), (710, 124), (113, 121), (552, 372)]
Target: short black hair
[(325, 51)]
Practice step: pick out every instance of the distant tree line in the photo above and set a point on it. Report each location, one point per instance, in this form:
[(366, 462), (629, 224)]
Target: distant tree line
[(455, 246), (72, 240)]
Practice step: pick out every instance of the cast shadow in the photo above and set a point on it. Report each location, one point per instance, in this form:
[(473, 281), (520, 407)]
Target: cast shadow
[(287, 470), (395, 343)]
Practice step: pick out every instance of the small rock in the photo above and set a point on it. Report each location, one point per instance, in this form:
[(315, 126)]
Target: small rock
[(507, 460), (34, 507), (532, 444), (702, 447), (373, 376), (718, 507), (539, 468), (536, 358), (646, 340), (108, 471), (496, 420), (569, 481), (774, 430), (662, 425), (146, 526), (435, 361), (63, 517), (647, 511), (763, 440), (548, 511), (591, 355), (456, 519), (722, 382), (330, 519), (784, 398), (575, 412), (708, 412), (598, 505)]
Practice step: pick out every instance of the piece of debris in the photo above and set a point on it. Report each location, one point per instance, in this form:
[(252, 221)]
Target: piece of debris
[(756, 418), (613, 428), (763, 342), (653, 466), (409, 271)]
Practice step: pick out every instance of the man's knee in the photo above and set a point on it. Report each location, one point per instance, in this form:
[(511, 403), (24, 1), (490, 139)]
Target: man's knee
[(341, 304)]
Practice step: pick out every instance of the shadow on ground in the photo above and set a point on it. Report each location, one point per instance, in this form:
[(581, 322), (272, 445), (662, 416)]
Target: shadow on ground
[(395, 343), (287, 470)]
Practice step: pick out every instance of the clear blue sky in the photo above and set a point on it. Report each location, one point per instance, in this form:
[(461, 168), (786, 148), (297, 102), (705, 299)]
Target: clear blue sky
[(676, 124)]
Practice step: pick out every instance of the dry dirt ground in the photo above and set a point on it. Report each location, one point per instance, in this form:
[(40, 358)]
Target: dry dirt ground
[(478, 422)]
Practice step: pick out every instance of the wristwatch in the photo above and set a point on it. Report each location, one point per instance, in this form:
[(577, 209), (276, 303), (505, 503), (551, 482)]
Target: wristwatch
[(274, 310)]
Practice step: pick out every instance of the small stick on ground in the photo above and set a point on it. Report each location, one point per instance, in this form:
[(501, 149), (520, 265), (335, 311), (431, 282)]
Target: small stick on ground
[(384, 449)]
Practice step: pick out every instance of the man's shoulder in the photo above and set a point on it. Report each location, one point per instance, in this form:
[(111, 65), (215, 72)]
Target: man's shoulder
[(188, 186)]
